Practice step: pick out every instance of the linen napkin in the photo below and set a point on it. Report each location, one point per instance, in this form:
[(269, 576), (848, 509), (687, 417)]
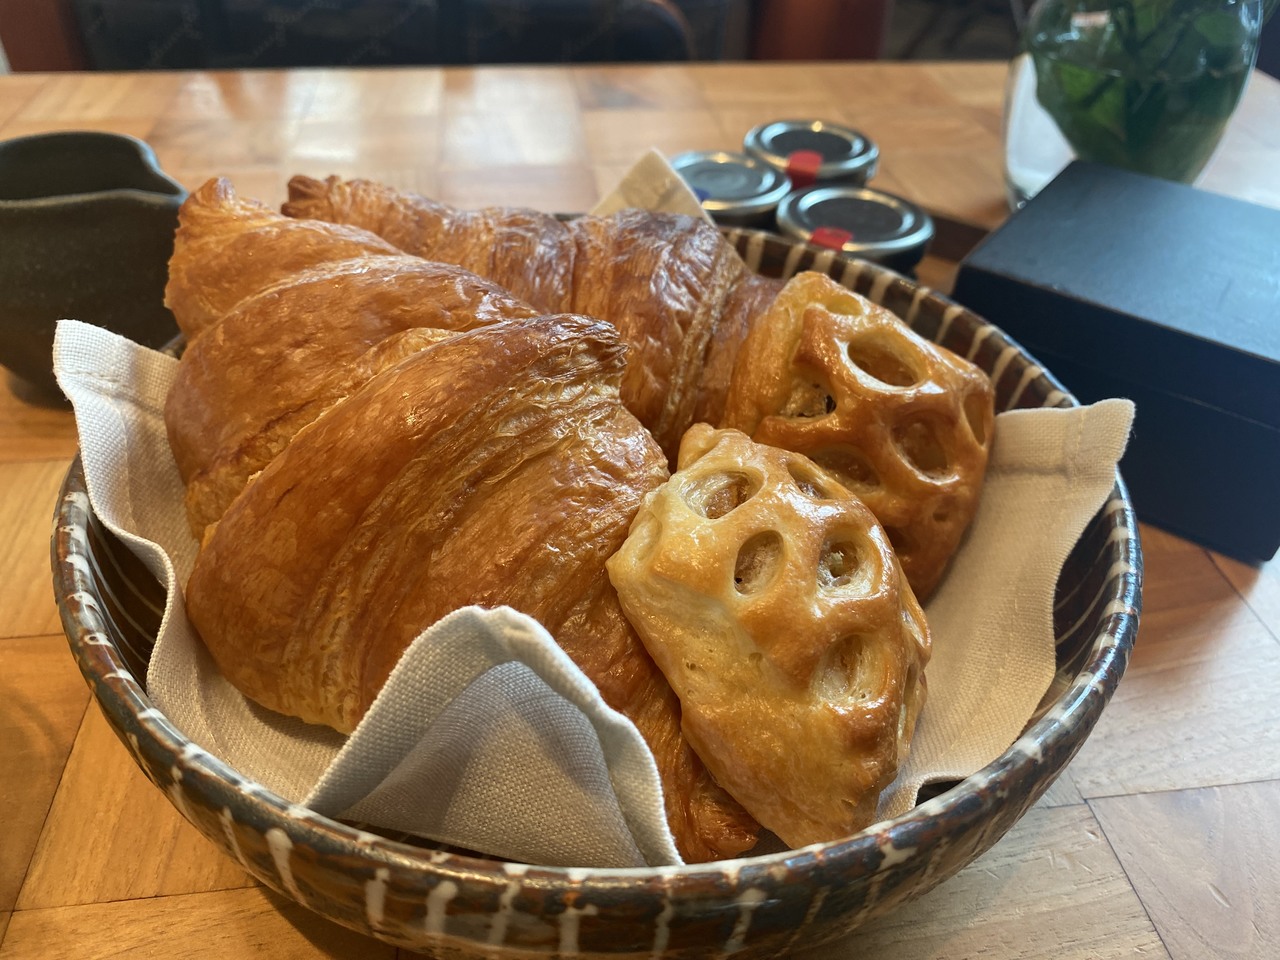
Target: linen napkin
[(651, 184), (487, 736), (991, 617)]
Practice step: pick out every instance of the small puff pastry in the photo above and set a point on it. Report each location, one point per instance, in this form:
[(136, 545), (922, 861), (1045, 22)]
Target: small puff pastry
[(902, 422), (773, 603)]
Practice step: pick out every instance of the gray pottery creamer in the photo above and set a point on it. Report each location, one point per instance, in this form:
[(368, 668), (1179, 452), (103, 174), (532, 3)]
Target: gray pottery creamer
[(87, 222)]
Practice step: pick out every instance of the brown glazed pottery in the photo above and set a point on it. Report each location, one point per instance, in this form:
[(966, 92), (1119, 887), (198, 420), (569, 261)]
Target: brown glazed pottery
[(450, 904)]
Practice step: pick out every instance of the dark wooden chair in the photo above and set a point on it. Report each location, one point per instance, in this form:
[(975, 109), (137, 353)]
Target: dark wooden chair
[(187, 34)]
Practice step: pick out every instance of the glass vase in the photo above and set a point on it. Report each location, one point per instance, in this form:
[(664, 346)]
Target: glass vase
[(1146, 85)]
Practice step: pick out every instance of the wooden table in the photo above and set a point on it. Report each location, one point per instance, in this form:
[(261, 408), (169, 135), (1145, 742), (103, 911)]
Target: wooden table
[(1162, 839)]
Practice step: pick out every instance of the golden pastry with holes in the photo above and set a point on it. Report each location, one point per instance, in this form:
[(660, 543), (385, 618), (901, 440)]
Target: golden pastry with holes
[(902, 422), (773, 603)]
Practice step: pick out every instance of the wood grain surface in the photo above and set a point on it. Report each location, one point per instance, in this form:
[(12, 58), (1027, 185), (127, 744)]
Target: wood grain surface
[(1162, 838)]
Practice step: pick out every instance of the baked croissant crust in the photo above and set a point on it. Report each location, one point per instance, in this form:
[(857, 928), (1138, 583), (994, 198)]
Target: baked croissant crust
[(902, 422), (494, 467), (302, 341), (774, 604), (680, 297)]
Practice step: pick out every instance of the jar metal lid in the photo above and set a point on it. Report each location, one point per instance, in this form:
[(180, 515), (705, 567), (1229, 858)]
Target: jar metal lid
[(814, 151), (861, 221), (733, 184)]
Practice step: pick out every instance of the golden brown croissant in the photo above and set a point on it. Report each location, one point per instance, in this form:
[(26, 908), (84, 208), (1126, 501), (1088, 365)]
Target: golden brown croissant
[(774, 604), (494, 467), (710, 344), (228, 247), (680, 297)]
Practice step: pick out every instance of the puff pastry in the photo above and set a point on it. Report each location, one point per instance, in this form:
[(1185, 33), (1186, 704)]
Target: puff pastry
[(773, 602), (902, 422), (495, 467)]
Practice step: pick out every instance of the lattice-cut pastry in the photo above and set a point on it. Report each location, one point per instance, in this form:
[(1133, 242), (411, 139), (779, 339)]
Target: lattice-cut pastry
[(773, 603), (902, 422)]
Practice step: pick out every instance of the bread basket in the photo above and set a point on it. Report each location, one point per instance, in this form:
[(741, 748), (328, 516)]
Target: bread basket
[(451, 904)]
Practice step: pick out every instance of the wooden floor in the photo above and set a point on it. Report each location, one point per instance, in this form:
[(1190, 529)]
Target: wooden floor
[(1161, 840)]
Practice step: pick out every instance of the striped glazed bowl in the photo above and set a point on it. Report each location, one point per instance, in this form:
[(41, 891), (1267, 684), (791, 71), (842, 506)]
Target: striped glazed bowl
[(451, 904)]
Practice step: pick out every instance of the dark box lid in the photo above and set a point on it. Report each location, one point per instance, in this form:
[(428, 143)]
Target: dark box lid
[(1151, 282)]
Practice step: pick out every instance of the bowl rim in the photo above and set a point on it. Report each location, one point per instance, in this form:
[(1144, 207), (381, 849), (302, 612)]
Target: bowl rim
[(1080, 705), (155, 741)]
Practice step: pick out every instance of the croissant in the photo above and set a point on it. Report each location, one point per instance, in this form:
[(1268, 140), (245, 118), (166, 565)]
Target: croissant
[(773, 602), (494, 467), (712, 343), (680, 297)]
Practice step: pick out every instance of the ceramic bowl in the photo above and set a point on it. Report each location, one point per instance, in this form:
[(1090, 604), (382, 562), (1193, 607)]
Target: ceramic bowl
[(86, 231), (451, 904)]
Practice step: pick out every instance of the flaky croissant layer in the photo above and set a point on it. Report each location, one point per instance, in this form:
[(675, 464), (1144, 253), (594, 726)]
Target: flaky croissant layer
[(283, 356)]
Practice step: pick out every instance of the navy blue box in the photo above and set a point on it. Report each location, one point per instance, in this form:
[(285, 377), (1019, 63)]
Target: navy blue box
[(1124, 285)]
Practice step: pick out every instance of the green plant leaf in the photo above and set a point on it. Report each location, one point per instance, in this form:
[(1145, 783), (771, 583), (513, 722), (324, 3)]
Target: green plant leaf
[(1222, 29)]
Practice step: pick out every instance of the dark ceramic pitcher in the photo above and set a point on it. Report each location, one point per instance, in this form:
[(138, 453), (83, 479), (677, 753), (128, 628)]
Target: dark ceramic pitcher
[(86, 231)]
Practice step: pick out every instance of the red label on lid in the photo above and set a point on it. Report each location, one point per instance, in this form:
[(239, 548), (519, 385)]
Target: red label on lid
[(803, 166), (832, 237)]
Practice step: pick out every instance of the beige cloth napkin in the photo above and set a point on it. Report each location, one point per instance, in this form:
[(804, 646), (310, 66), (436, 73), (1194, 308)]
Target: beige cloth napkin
[(487, 736), (992, 615), (651, 184)]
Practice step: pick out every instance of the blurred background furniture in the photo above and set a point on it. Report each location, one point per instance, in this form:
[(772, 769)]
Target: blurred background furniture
[(820, 29), (113, 34), (193, 34), (952, 23)]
